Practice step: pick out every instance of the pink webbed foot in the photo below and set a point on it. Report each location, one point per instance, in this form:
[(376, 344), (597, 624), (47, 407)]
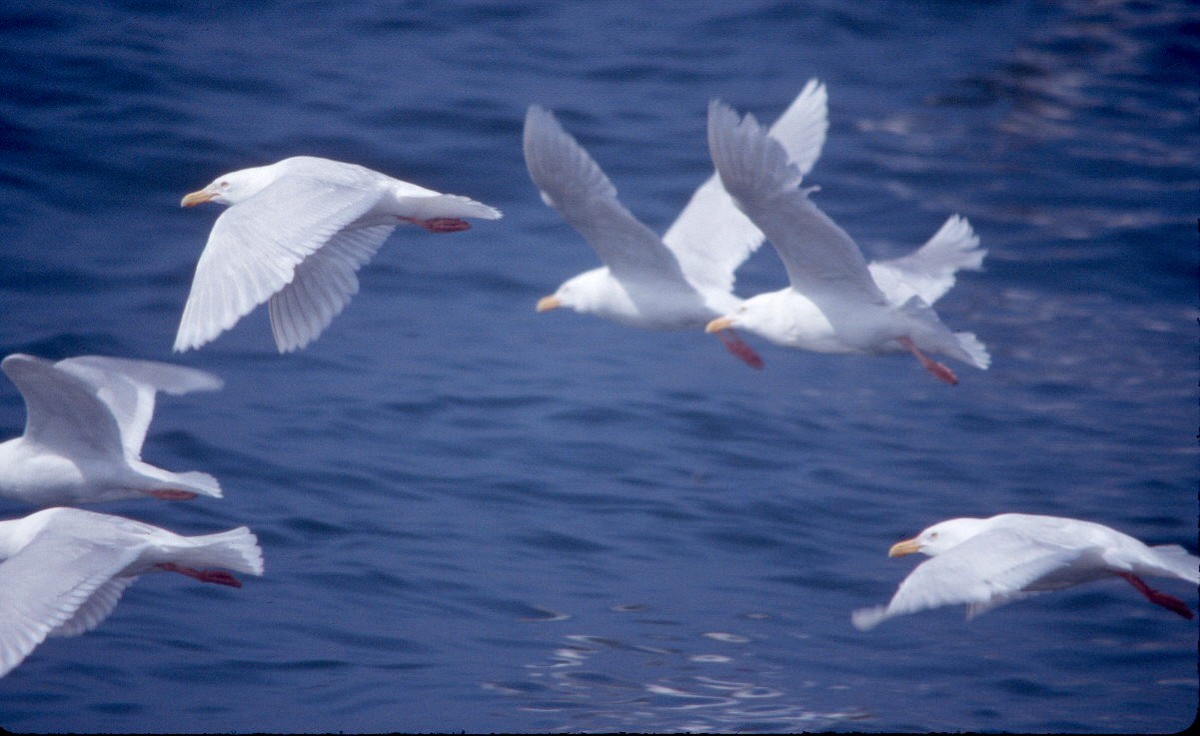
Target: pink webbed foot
[(939, 371), (220, 577), (1156, 597), (173, 495), (740, 349), (439, 224)]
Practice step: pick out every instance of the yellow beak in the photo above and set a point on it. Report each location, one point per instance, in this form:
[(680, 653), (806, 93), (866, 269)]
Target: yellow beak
[(195, 198), (547, 303), (907, 547), (718, 324)]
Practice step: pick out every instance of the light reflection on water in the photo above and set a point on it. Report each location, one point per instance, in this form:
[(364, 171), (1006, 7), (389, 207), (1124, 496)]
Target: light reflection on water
[(592, 683)]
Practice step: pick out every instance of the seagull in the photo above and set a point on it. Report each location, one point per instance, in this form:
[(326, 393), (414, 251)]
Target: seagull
[(86, 419), (294, 235), (679, 281), (62, 570), (789, 318), (988, 562), (834, 303)]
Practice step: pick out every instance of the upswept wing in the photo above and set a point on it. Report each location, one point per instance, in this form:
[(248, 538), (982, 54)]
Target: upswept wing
[(572, 183), (822, 261), (62, 410), (712, 237), (128, 388)]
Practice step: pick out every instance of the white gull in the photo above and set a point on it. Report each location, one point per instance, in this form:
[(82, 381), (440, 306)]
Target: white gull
[(62, 570), (685, 278), (86, 420), (984, 563), (834, 303), (294, 236)]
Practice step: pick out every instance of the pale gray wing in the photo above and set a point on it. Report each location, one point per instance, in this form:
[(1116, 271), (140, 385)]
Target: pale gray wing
[(801, 128), (95, 609), (45, 585), (572, 183), (929, 272), (712, 237), (62, 411), (986, 570), (322, 286), (129, 386), (822, 261), (256, 245)]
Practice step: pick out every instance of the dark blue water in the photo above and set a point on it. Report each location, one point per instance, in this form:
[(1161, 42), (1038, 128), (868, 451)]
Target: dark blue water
[(477, 517)]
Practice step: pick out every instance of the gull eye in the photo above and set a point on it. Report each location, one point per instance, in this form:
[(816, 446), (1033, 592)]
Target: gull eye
[(224, 185), (933, 535)]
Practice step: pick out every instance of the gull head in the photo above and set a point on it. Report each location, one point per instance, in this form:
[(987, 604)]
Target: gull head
[(591, 292), (940, 537), (763, 315), (744, 317), (233, 187)]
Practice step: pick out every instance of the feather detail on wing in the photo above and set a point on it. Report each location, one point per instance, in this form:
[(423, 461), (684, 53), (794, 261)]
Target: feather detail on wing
[(983, 572), (712, 237), (572, 183), (822, 261), (256, 245)]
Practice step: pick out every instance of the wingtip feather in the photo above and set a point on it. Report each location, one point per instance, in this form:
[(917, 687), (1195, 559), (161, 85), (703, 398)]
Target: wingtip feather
[(865, 619)]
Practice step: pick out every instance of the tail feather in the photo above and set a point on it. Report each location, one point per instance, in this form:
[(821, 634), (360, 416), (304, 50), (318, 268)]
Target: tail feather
[(236, 549), (200, 482), (930, 334), (454, 205), (192, 481), (1179, 561)]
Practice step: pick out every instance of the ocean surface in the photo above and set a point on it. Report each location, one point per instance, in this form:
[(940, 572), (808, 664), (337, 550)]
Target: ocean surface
[(476, 517)]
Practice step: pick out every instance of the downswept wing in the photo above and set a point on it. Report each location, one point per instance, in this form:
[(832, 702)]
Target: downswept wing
[(47, 583), (822, 261), (256, 245), (712, 237), (572, 183), (322, 286), (95, 609), (985, 571)]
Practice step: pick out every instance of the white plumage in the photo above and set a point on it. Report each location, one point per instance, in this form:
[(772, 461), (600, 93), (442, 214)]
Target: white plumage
[(86, 420), (295, 234), (63, 570), (681, 280), (984, 563), (836, 302)]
